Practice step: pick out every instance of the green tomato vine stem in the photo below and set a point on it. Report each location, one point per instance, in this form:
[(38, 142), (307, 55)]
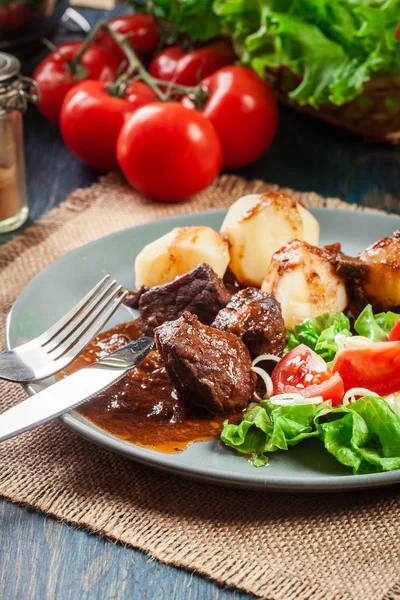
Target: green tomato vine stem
[(163, 90)]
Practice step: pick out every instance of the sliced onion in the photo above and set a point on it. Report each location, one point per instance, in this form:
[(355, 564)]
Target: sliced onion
[(294, 399), (394, 402), (269, 388), (350, 395), (355, 341), (266, 357)]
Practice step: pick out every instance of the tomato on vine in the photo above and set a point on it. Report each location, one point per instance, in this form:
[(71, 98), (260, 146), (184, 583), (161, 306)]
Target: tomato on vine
[(59, 72), (92, 115), (15, 16), (244, 112), (141, 31), (167, 149), (189, 68), (163, 65), (168, 152)]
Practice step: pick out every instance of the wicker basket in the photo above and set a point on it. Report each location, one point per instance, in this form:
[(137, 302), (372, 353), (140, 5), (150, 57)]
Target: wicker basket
[(375, 115)]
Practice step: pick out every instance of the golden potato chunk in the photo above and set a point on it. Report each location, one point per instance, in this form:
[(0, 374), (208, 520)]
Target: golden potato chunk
[(259, 224), (178, 252)]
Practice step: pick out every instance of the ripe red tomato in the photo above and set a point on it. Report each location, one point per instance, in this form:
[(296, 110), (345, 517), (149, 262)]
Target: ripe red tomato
[(394, 335), (91, 119), (303, 372), (168, 152), (3, 19), (192, 67), (163, 65), (15, 17), (141, 31), (54, 78), (244, 112), (198, 64), (375, 367)]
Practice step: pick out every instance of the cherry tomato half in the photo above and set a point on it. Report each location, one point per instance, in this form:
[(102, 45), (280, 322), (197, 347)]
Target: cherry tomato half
[(55, 80), (191, 67), (375, 367), (91, 119), (168, 152), (141, 31), (244, 112), (394, 335), (303, 372)]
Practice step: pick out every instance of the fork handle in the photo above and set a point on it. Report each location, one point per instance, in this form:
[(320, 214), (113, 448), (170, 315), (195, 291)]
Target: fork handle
[(12, 368)]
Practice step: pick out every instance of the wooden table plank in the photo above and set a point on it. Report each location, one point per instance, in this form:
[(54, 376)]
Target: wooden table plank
[(306, 155), (43, 559)]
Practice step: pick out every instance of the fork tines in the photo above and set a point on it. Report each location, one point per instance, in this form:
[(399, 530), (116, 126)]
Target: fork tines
[(78, 327)]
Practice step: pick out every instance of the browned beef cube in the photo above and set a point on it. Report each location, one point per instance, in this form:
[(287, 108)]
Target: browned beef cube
[(199, 291), (211, 368), (256, 318), (132, 298), (348, 267)]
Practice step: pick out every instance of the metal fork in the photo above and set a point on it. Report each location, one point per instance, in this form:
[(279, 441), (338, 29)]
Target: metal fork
[(65, 340)]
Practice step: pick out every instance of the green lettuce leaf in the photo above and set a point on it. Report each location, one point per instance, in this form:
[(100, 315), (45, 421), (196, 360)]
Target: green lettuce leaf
[(194, 17), (328, 49), (375, 327), (250, 436), (266, 428), (330, 44), (364, 435), (319, 334)]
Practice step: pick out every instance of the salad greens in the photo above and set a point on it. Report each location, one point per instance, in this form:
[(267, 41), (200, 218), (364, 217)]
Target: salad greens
[(364, 435), (375, 327), (319, 334), (330, 47)]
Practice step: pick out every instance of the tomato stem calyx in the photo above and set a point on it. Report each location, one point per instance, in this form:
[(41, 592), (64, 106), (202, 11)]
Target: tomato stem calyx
[(73, 68)]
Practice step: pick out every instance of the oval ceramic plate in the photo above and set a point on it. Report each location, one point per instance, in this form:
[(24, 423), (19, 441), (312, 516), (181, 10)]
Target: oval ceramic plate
[(307, 467)]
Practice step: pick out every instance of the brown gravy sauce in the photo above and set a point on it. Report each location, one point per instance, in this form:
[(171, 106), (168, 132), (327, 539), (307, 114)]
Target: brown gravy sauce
[(144, 407)]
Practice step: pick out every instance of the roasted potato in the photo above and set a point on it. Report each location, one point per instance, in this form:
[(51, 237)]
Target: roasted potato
[(381, 284), (303, 280), (179, 251), (257, 225)]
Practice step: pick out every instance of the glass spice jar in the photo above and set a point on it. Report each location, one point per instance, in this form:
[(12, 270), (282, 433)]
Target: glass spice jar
[(15, 93)]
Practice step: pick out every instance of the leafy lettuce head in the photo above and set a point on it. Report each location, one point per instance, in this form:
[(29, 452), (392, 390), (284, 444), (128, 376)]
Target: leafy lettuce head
[(327, 49)]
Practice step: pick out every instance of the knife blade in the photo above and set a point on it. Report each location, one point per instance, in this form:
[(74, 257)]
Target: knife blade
[(73, 390)]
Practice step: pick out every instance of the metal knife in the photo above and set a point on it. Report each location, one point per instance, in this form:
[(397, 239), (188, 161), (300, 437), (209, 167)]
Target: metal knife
[(74, 389)]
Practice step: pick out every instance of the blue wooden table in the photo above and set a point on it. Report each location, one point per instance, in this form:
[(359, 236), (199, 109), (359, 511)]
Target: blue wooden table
[(43, 559)]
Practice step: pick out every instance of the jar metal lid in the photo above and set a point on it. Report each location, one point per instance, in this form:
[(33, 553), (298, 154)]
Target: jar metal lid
[(9, 67), (15, 90)]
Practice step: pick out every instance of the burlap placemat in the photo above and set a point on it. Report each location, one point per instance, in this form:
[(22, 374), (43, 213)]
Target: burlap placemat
[(277, 546)]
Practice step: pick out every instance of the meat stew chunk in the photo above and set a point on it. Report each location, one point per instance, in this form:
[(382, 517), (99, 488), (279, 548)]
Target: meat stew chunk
[(347, 267), (132, 298), (199, 291), (256, 318), (211, 368)]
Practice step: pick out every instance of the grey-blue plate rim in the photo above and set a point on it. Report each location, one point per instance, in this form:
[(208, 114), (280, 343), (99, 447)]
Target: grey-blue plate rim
[(160, 460)]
